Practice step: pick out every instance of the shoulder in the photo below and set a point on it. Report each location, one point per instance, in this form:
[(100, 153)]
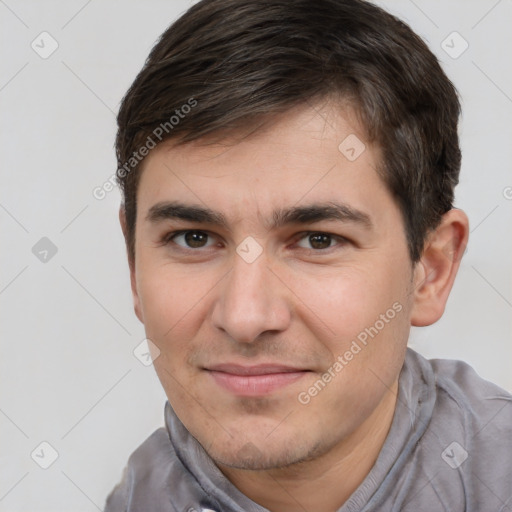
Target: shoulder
[(140, 470), (463, 458), (467, 448), (471, 397), (154, 477)]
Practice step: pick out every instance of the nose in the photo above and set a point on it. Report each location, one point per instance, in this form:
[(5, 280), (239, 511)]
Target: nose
[(251, 301)]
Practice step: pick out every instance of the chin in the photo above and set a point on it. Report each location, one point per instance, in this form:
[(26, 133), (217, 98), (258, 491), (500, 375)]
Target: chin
[(260, 456)]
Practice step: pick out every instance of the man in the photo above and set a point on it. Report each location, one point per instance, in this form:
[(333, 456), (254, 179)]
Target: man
[(288, 171)]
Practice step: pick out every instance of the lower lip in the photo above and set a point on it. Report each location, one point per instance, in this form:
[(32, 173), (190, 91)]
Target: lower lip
[(254, 385)]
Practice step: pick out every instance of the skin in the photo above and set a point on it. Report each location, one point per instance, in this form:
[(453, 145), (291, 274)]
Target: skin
[(299, 303)]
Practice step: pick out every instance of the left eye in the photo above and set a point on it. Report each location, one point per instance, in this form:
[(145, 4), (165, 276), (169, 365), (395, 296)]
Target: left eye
[(318, 241), (192, 239)]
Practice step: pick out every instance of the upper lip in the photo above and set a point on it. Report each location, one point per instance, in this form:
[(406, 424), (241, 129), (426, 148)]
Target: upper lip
[(259, 369)]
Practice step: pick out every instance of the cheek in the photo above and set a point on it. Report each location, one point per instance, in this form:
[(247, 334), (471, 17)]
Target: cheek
[(171, 306), (363, 313), (347, 300), (170, 301)]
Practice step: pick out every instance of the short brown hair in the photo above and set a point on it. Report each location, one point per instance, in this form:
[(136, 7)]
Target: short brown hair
[(237, 61)]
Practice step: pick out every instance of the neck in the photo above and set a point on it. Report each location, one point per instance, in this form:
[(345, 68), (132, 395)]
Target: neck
[(326, 482)]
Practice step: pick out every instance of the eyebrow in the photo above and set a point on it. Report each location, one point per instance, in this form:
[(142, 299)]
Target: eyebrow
[(170, 210)]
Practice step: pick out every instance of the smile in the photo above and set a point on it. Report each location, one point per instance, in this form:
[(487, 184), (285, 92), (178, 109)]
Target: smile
[(255, 381)]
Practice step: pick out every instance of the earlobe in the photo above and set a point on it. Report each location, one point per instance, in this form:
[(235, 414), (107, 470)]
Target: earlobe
[(136, 301), (131, 263), (435, 273)]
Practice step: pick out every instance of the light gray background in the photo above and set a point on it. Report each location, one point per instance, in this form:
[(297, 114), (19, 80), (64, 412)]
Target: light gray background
[(68, 373)]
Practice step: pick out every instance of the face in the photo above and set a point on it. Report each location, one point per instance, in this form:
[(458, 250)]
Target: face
[(272, 274)]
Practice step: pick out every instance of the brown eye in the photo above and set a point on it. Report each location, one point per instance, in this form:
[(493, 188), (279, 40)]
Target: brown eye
[(192, 239), (319, 241), (196, 239)]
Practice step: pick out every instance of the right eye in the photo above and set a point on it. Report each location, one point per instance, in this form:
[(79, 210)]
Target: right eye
[(191, 239)]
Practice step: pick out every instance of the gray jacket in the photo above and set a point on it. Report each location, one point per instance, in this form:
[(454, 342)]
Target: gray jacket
[(449, 449)]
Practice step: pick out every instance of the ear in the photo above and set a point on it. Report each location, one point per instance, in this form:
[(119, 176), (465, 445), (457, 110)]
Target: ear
[(131, 262), (435, 273)]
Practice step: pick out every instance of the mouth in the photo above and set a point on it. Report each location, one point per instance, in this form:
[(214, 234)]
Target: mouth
[(256, 380)]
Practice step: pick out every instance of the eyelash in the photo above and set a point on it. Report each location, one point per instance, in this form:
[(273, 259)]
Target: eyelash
[(168, 239)]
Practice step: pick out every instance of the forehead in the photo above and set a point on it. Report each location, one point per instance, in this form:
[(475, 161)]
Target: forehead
[(310, 154)]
